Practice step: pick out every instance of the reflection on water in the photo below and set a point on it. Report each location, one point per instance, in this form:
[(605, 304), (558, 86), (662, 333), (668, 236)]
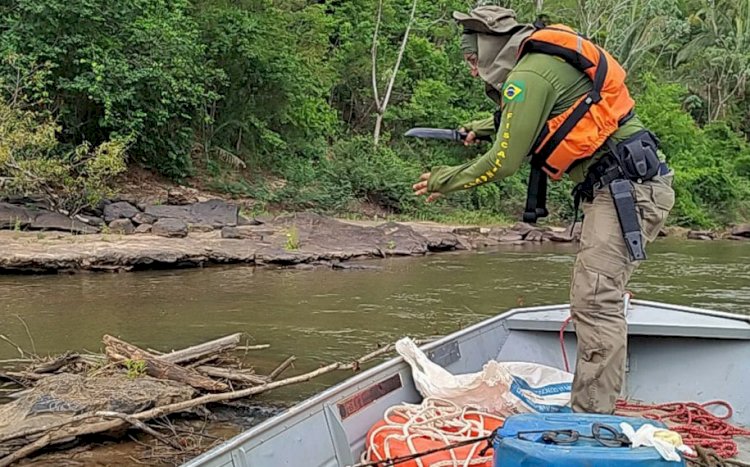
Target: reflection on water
[(324, 315)]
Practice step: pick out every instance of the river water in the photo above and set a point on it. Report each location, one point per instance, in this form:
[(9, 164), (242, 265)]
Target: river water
[(325, 315)]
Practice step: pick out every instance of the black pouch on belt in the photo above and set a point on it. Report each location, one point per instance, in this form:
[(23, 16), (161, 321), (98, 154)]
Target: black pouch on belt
[(637, 156)]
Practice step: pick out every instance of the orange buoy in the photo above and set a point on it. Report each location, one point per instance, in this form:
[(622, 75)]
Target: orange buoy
[(410, 429)]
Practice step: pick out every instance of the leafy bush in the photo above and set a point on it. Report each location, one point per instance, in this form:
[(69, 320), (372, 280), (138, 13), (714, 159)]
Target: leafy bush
[(378, 174), (33, 163), (132, 68)]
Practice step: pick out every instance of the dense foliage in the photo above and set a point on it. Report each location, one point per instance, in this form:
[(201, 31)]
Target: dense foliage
[(33, 161), (274, 99)]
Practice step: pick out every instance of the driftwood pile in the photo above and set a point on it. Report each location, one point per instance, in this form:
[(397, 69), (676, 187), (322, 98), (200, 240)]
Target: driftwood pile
[(61, 399)]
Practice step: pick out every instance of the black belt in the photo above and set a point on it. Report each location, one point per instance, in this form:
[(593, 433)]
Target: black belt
[(601, 174), (624, 164)]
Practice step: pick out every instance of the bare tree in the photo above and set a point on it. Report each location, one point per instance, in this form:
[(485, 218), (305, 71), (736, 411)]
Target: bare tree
[(382, 105)]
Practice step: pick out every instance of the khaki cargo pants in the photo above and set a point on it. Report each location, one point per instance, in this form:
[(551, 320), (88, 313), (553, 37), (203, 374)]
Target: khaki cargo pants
[(600, 275)]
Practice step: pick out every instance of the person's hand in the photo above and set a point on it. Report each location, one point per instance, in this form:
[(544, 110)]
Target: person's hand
[(420, 188), (471, 137)]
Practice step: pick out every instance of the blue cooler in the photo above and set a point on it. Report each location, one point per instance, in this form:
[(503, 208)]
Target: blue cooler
[(520, 442)]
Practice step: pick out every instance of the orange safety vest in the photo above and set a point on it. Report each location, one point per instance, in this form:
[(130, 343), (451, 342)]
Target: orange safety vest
[(582, 129)]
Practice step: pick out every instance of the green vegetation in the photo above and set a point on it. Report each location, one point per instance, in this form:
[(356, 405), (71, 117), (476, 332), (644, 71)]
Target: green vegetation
[(32, 160), (292, 239), (274, 99), (135, 368)]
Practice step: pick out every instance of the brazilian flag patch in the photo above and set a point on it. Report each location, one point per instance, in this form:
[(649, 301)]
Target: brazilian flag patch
[(514, 91)]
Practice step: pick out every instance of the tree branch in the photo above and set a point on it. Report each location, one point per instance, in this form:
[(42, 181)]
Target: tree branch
[(400, 55), (281, 368), (374, 52)]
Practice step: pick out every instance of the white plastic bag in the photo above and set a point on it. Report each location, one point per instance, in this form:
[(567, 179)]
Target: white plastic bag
[(502, 388), (666, 442)]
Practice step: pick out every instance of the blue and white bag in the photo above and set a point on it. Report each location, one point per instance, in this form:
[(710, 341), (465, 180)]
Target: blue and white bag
[(501, 388)]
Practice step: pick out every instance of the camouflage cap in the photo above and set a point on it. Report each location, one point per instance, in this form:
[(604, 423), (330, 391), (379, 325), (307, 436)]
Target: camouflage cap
[(479, 3), (488, 19)]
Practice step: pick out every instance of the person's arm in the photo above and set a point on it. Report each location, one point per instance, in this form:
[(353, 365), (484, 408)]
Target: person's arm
[(481, 127), (528, 99)]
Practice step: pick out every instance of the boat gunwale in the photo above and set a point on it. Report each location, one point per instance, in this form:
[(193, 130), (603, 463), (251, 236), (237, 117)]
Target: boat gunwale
[(392, 364), (695, 310)]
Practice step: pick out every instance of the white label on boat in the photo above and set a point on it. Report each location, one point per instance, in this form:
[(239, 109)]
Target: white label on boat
[(367, 396)]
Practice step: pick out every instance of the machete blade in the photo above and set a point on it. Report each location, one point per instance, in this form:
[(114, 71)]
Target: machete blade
[(435, 133), (440, 133)]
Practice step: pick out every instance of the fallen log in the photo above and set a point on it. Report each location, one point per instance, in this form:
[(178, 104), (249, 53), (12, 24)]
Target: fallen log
[(239, 376), (207, 348), (120, 351)]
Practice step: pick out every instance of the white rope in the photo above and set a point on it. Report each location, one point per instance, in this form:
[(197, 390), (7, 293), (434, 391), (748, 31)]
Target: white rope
[(434, 419)]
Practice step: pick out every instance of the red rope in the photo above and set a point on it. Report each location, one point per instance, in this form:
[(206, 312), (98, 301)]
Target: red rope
[(697, 425), (562, 343)]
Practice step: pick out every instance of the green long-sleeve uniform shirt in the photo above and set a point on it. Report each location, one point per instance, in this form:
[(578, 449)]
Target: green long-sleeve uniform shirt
[(538, 88)]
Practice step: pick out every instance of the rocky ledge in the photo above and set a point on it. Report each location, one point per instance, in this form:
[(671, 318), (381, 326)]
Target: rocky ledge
[(738, 232), (188, 231), (300, 240), (122, 217)]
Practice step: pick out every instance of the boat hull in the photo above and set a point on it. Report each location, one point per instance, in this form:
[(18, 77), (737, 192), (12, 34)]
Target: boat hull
[(674, 354)]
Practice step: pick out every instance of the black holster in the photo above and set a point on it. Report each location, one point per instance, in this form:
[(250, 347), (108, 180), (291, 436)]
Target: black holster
[(623, 195)]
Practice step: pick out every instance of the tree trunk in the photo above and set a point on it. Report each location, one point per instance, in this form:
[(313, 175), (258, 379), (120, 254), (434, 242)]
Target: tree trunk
[(244, 377), (378, 123), (384, 104)]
